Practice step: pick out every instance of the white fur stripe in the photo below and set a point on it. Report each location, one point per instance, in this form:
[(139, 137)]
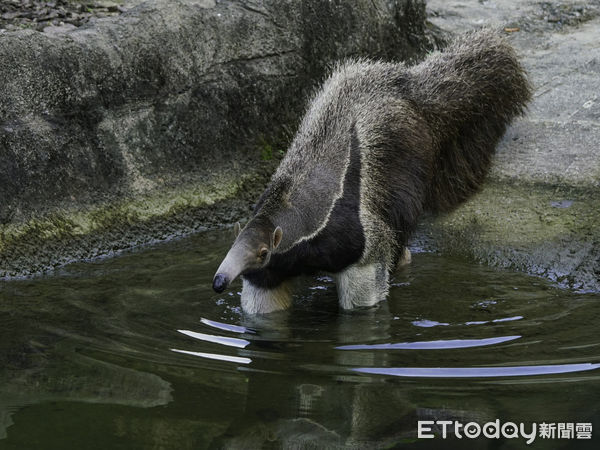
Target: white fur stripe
[(339, 194)]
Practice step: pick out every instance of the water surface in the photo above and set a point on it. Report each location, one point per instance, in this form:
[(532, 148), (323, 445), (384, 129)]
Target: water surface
[(138, 352)]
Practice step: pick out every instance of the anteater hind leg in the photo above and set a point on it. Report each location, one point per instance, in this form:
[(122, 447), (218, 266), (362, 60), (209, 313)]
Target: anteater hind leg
[(363, 285), (404, 260)]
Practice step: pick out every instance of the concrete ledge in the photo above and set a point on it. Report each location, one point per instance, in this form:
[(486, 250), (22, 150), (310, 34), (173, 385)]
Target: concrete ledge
[(540, 210), (546, 230)]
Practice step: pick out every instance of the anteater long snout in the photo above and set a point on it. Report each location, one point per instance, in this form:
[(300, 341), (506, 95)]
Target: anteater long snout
[(231, 267), (220, 282)]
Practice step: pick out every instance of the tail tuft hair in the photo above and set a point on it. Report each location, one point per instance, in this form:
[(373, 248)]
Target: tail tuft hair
[(469, 94)]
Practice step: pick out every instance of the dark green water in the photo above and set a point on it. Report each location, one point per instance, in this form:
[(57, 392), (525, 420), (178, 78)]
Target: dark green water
[(138, 352)]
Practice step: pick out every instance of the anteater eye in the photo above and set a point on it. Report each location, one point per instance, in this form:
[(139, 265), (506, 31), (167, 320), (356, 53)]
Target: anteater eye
[(263, 253)]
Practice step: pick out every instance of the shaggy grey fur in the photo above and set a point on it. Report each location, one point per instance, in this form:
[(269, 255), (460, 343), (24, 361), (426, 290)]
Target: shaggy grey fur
[(379, 144)]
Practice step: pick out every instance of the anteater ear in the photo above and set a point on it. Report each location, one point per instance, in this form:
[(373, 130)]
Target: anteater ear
[(277, 235), (237, 229)]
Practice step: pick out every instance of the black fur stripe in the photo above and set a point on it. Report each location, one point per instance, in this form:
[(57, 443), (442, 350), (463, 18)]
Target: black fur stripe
[(338, 245)]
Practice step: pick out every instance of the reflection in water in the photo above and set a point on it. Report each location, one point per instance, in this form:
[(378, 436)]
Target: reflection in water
[(69, 376), (137, 352)]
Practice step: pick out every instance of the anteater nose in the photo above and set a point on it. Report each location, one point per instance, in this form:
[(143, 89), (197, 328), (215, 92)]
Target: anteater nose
[(220, 282)]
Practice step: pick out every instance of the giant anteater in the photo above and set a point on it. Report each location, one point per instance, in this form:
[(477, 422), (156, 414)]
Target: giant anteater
[(379, 144)]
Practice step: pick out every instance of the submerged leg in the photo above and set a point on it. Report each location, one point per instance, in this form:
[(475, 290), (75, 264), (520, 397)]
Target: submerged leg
[(405, 259), (258, 300), (363, 285)]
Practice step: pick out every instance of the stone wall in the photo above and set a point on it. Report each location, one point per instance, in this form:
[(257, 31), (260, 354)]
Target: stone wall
[(166, 119)]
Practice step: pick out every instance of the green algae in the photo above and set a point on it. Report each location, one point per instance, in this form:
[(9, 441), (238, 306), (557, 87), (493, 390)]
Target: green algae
[(550, 231), (45, 242)]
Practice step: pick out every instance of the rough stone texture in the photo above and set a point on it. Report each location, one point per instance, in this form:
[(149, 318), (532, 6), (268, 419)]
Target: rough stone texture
[(167, 118), (540, 210), (47, 16)]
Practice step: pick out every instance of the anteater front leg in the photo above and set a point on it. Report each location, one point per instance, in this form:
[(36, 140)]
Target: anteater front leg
[(263, 300), (362, 285)]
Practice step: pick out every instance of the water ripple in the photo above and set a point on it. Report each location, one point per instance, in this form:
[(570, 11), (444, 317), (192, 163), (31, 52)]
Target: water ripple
[(476, 372), (228, 341), (431, 345), (234, 359), (226, 326)]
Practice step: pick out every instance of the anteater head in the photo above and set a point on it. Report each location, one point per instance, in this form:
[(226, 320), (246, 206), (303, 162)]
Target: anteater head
[(251, 250)]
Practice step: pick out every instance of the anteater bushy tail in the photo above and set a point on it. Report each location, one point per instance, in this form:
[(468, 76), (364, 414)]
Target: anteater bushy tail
[(469, 94)]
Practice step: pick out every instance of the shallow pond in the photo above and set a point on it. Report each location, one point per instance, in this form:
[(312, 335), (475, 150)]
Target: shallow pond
[(138, 352)]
